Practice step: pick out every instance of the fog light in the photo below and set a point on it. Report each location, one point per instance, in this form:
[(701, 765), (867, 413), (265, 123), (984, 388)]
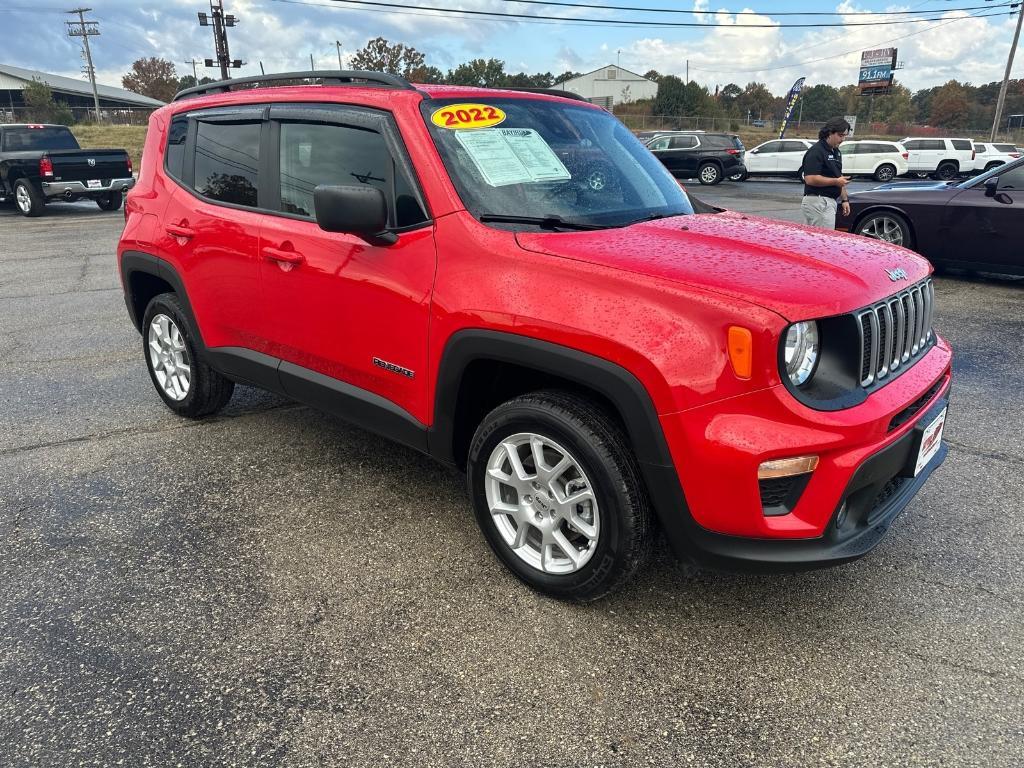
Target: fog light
[(787, 467)]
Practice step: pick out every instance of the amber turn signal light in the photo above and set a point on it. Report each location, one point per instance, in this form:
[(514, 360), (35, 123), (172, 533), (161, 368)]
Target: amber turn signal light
[(787, 467), (741, 351)]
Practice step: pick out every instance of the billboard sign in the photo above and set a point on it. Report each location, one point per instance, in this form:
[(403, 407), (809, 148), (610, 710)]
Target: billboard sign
[(876, 70)]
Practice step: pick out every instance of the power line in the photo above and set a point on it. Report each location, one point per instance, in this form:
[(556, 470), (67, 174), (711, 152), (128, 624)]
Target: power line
[(399, 8), (845, 53), (747, 13)]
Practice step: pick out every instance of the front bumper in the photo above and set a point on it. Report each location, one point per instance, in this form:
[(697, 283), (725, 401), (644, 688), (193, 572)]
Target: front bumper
[(54, 189), (720, 517)]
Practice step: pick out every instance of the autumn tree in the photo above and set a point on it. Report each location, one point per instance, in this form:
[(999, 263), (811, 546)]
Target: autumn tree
[(949, 106), (379, 55), (152, 77)]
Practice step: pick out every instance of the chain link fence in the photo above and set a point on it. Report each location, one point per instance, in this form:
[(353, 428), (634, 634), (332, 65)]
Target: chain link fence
[(108, 115)]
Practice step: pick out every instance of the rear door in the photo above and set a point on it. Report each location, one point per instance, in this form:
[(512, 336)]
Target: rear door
[(679, 154), (963, 151), (336, 305), (212, 221), (853, 157), (791, 159)]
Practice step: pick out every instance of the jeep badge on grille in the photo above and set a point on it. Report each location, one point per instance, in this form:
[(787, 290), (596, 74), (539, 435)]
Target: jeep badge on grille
[(896, 274)]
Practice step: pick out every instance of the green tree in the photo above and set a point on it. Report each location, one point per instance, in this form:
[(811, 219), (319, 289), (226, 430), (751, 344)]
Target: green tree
[(153, 77), (41, 107), (757, 99), (426, 75), (820, 102), (653, 74), (379, 55), (483, 73), (568, 75), (188, 81)]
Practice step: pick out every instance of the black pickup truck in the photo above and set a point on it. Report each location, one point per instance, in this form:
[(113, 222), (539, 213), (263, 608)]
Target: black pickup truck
[(43, 163)]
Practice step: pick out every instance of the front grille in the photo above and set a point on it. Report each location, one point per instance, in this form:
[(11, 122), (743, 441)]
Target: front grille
[(894, 332), (775, 491)]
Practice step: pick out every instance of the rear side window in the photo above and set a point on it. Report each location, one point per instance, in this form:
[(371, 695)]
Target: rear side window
[(227, 160), (772, 146), (962, 144), (933, 144), (38, 139), (315, 153), (794, 146), (176, 146), (684, 142)]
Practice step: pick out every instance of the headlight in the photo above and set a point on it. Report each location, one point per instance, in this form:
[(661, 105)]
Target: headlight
[(802, 350)]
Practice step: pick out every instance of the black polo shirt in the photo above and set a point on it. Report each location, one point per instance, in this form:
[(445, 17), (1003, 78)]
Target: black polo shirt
[(822, 160)]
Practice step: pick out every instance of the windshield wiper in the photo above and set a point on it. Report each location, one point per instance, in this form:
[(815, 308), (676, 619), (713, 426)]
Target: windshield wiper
[(544, 222), (651, 217)]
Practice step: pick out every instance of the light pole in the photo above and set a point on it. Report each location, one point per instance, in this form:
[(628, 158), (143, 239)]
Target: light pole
[(1006, 77)]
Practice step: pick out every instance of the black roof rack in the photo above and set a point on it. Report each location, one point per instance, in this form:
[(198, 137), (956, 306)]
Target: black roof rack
[(546, 91), (329, 77)]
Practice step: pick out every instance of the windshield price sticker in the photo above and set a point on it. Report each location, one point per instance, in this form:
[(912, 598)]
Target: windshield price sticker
[(462, 116), (512, 156)]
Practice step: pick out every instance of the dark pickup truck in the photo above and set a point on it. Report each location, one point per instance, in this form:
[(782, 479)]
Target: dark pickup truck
[(43, 163)]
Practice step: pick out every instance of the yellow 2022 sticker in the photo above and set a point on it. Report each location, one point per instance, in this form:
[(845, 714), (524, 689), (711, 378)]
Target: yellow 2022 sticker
[(467, 116)]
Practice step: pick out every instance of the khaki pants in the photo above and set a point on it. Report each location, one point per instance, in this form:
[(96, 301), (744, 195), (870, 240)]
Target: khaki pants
[(819, 211)]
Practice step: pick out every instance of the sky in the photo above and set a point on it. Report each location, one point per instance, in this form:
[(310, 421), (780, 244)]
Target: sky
[(724, 45)]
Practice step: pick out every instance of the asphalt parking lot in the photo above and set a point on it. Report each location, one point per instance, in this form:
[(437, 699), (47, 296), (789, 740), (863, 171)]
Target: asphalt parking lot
[(272, 587)]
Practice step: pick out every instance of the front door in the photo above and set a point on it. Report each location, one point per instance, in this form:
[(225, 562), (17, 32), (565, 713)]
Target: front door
[(987, 230), (338, 306), (765, 159)]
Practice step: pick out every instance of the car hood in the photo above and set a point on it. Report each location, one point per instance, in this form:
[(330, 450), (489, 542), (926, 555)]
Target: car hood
[(796, 271), (910, 186)]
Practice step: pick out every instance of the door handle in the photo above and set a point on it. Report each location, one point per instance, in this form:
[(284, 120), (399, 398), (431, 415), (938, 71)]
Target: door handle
[(287, 257), (180, 230)]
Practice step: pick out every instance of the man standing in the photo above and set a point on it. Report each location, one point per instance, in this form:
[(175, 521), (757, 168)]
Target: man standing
[(824, 183)]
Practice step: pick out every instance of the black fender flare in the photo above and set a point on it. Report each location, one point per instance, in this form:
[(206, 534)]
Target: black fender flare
[(618, 385), (135, 262)]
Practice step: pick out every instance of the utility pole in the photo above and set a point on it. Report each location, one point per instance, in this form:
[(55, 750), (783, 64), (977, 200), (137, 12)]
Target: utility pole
[(687, 72), (86, 29), (195, 74), (220, 37), (338, 44), (312, 67), (1006, 77)]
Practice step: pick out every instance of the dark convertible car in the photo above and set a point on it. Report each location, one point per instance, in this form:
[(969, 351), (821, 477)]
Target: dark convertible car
[(974, 224)]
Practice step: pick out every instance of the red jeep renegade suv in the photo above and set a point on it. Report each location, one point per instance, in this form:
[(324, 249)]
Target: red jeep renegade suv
[(438, 265)]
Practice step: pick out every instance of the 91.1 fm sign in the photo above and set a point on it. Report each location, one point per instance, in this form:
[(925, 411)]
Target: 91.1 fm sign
[(876, 68)]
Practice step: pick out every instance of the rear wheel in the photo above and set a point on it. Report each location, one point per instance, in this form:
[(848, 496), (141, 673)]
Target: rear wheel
[(887, 226), (885, 172), (990, 166), (709, 174), (743, 176), (946, 172), (110, 201), (27, 198), (558, 496), (184, 382)]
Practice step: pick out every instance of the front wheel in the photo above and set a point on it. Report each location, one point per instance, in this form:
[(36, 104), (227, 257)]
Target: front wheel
[(885, 173), (887, 226), (557, 494), (110, 201), (709, 174)]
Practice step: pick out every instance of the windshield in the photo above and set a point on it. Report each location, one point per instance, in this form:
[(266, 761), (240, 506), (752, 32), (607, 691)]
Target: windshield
[(549, 160), (37, 139), (999, 169)]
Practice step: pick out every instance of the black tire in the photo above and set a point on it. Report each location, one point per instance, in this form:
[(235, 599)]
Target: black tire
[(110, 201), (990, 166), (35, 202), (946, 172), (709, 174), (602, 451), (877, 216), (885, 172), (208, 391), (739, 176)]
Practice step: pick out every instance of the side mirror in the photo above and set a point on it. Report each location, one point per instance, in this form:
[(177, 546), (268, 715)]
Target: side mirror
[(360, 211), (991, 186)]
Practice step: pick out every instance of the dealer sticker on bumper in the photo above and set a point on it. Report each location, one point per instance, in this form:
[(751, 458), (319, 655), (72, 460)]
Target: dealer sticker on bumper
[(93, 183), (931, 440)]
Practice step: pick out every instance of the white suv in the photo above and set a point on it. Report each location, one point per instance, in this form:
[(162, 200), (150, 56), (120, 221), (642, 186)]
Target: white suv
[(884, 160), (780, 157), (988, 156), (944, 159)]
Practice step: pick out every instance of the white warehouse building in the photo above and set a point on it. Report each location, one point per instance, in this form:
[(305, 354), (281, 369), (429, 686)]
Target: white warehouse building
[(610, 85)]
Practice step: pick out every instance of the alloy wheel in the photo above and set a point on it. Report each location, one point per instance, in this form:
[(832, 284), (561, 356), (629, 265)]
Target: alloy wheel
[(542, 503), (883, 228), (709, 174), (21, 196), (169, 358)]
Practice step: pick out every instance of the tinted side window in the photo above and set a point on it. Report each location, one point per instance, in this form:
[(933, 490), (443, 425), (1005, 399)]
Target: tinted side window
[(962, 144), (313, 153), (661, 143), (913, 144), (1012, 179), (683, 142), (848, 149), (1004, 147), (793, 146), (772, 146), (176, 146), (934, 144), (227, 159)]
